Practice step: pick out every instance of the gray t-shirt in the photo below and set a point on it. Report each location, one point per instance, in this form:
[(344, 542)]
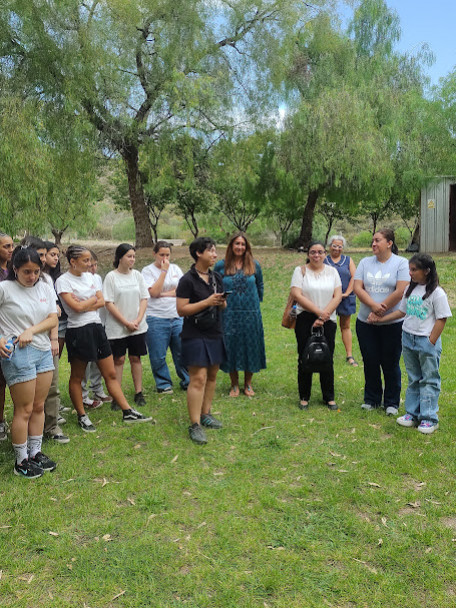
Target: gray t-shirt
[(421, 315), (380, 279)]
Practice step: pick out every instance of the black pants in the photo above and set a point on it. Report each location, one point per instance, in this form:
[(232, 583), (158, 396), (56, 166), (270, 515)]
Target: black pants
[(303, 328), (381, 349)]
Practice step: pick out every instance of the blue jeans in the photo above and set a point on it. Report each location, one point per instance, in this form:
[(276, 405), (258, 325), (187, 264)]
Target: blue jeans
[(380, 347), (422, 360), (161, 334)]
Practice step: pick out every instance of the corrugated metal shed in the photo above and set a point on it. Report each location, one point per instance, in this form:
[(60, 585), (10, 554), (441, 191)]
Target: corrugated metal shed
[(438, 200)]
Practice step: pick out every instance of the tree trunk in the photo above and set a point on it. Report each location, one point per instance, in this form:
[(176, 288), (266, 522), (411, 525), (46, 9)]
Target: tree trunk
[(305, 236), (138, 204), (58, 235)]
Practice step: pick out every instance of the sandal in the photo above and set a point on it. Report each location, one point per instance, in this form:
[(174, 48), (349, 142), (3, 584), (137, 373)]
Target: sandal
[(351, 361), (234, 392), (248, 390), (303, 404)]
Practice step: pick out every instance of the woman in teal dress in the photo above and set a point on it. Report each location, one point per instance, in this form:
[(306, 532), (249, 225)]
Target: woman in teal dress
[(242, 322)]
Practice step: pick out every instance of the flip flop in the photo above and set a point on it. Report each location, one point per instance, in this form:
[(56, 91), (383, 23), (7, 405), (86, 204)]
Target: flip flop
[(248, 391), (234, 392), (351, 361)]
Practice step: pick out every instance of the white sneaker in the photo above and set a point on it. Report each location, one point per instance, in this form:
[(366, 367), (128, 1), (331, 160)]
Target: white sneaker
[(368, 407), (407, 421), (427, 427), (391, 410)]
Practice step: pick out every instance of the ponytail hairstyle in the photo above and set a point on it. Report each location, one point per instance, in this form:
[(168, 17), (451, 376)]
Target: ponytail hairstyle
[(54, 273), (423, 261), (75, 251), (248, 263), (121, 250), (33, 241), (311, 244), (22, 255), (389, 236)]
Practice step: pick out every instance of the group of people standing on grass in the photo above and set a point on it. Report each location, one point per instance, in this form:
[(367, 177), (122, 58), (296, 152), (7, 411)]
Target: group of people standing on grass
[(403, 310), (209, 318), (42, 309)]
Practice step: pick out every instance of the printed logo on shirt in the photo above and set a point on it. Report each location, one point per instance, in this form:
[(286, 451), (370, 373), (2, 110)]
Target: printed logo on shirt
[(376, 282), (417, 308)]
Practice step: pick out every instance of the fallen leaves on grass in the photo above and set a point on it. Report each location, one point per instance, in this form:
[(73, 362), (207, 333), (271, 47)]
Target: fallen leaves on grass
[(118, 595), (28, 578), (175, 458), (53, 533), (370, 568), (373, 484), (414, 505)]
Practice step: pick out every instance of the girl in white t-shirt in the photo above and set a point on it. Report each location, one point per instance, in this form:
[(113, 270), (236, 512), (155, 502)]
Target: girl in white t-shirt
[(164, 326), (425, 308), (85, 337), (27, 314), (126, 296)]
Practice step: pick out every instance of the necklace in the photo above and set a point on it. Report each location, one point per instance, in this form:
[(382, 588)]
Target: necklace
[(206, 274)]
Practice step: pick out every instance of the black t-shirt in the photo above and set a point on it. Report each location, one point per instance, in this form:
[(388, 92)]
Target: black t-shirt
[(193, 288)]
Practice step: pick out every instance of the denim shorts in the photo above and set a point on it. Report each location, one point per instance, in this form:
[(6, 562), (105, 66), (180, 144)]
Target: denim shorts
[(26, 363)]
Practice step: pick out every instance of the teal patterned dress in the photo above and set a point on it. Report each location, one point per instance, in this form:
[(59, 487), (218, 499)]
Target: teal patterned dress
[(242, 322)]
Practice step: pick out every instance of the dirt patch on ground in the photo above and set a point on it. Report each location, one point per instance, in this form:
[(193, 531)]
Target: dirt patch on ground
[(449, 522)]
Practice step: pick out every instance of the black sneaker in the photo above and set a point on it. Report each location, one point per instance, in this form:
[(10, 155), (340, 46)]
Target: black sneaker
[(27, 469), (134, 416), (58, 438), (85, 424), (43, 461), (197, 434), (210, 422), (139, 399), (115, 406), (165, 391)]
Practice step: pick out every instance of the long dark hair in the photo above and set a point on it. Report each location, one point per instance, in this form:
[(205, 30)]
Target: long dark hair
[(121, 250), (423, 261), (248, 263), (54, 273), (389, 236), (22, 255)]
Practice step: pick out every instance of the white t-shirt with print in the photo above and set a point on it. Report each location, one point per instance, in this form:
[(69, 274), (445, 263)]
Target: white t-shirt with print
[(163, 308), (380, 279), (21, 307), (125, 291), (318, 287), (83, 287), (421, 315)]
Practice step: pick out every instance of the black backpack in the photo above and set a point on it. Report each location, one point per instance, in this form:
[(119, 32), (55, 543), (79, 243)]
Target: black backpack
[(316, 356)]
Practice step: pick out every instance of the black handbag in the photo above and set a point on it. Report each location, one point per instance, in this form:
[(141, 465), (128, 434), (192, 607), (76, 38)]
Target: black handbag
[(316, 356)]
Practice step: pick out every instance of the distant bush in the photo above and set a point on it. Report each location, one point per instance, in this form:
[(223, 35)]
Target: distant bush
[(124, 230), (362, 239)]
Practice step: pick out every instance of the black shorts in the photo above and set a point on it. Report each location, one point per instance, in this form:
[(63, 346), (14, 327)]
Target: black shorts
[(135, 344), (87, 343)]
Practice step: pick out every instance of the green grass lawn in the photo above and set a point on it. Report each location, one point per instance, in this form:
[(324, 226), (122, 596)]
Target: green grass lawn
[(281, 509)]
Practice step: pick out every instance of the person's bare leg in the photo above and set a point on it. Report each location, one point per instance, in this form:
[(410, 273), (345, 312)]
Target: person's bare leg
[(22, 395), (106, 367), (234, 392), (78, 368), (344, 322), (136, 372), (118, 366), (195, 392), (209, 390), (42, 386), (248, 390)]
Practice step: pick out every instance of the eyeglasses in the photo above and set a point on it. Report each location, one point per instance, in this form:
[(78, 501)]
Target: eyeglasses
[(317, 252)]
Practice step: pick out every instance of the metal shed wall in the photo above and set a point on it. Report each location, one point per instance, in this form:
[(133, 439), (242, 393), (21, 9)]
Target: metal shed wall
[(435, 222)]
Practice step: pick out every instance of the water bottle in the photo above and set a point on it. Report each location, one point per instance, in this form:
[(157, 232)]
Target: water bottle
[(10, 345), (293, 312)]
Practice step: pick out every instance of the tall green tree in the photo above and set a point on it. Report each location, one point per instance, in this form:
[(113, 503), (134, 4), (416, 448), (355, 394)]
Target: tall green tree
[(349, 135), (134, 68)]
